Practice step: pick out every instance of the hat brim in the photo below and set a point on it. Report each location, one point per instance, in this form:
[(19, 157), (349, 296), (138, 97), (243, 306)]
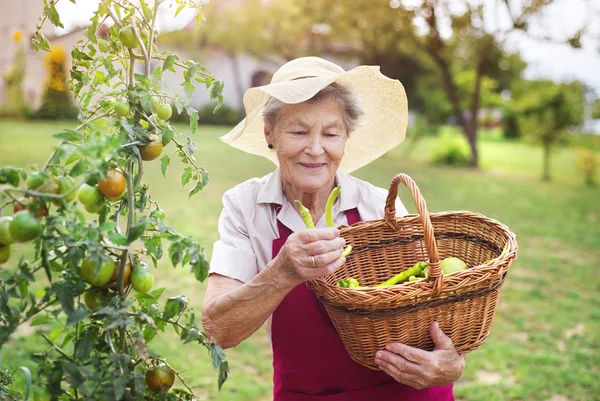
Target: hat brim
[(381, 128)]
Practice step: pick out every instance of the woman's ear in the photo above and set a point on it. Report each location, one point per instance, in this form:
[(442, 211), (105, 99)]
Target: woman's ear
[(268, 134)]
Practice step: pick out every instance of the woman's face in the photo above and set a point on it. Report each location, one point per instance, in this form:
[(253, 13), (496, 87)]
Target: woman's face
[(309, 139)]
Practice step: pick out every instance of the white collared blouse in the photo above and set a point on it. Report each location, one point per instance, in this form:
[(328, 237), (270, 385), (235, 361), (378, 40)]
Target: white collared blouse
[(248, 222)]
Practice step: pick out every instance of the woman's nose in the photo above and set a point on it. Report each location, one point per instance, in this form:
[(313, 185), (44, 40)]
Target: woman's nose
[(314, 147)]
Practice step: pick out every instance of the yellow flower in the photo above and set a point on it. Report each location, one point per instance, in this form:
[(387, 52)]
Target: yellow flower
[(17, 36)]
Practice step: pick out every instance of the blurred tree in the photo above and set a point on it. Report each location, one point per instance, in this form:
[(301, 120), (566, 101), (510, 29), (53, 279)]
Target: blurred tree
[(450, 62), (545, 111), (596, 109), (14, 104)]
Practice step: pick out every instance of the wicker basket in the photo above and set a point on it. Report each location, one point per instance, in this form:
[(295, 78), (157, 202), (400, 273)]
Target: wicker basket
[(463, 303)]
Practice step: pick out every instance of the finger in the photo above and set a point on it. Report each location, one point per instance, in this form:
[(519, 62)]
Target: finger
[(316, 234), (333, 266), (409, 353), (324, 246), (440, 340), (402, 377), (399, 362), (327, 258)]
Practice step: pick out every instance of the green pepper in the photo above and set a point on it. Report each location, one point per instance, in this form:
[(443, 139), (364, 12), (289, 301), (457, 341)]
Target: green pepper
[(329, 206), (305, 213), (342, 283), (416, 270), (353, 283)]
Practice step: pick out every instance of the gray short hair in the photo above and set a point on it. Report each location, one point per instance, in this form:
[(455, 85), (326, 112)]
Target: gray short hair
[(345, 98)]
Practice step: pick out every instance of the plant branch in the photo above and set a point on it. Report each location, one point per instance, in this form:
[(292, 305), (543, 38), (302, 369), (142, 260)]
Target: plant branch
[(57, 348)]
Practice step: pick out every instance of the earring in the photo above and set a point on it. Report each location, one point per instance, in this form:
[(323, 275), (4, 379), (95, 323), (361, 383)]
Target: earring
[(270, 146)]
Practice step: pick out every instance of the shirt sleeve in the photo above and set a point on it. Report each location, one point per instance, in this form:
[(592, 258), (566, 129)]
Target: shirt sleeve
[(233, 255)]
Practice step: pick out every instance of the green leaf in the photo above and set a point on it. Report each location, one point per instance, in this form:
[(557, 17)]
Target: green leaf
[(176, 253), (69, 135), (189, 89), (52, 14), (70, 335), (199, 19), (175, 306), (149, 333), (193, 119), (185, 177), (117, 238), (179, 9), (216, 90), (40, 319), (10, 175), (167, 135), (157, 75), (79, 169), (137, 230), (164, 162), (169, 63), (40, 42), (55, 333), (201, 269), (79, 55), (109, 225)]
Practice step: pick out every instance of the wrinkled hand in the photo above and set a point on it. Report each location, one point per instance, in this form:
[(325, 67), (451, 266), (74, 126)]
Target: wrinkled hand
[(421, 369), (310, 254)]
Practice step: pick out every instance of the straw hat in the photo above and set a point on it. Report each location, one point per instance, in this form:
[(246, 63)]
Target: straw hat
[(381, 127)]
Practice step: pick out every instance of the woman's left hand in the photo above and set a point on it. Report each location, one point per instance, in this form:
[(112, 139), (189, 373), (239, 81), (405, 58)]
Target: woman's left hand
[(421, 369)]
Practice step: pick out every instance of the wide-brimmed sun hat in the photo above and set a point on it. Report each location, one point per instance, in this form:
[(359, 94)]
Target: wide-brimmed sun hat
[(381, 127)]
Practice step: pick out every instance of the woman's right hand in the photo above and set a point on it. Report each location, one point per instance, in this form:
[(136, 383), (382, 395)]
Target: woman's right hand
[(311, 254)]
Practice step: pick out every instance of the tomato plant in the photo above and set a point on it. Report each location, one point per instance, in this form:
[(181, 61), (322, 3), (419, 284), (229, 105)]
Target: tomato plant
[(100, 343)]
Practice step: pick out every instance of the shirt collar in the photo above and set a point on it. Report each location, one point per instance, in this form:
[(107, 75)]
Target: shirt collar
[(272, 191)]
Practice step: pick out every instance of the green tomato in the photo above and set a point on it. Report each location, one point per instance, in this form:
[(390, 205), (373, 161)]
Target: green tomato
[(157, 214), (25, 227), (5, 236), (4, 253), (89, 195), (141, 279), (122, 109), (96, 297), (154, 102), (97, 276), (164, 111), (127, 37), (95, 208), (65, 184)]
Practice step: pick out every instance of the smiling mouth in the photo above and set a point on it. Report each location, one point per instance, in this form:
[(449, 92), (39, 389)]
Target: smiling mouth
[(312, 165)]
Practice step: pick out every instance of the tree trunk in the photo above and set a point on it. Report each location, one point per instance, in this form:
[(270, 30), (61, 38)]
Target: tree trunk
[(546, 165), (435, 47)]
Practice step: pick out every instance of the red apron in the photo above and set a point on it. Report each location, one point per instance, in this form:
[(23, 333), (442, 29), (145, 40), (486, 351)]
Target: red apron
[(309, 358)]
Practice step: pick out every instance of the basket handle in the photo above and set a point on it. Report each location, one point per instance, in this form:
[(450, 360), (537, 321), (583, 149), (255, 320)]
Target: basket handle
[(435, 272)]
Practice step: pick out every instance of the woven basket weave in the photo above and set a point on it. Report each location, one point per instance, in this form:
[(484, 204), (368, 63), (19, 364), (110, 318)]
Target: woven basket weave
[(463, 303)]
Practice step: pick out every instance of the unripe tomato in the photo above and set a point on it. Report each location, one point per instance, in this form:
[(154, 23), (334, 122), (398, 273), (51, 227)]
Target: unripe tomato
[(4, 253), (152, 150), (65, 184), (89, 195), (164, 111), (100, 277), (127, 37), (142, 278), (122, 109), (160, 378), (25, 226)]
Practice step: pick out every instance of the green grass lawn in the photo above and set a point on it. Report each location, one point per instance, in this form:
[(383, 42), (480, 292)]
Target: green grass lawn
[(545, 337)]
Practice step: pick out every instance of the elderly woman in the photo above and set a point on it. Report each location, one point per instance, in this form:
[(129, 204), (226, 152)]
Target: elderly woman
[(314, 120)]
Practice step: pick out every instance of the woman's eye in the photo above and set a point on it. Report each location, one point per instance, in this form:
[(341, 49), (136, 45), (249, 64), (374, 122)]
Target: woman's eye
[(329, 135), (298, 132)]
